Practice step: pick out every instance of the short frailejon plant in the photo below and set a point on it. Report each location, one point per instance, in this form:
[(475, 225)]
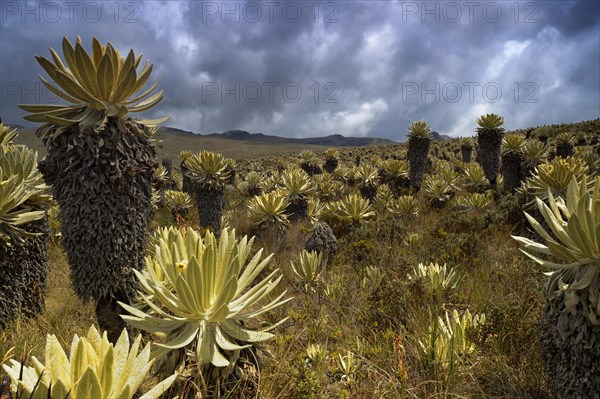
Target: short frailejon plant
[(200, 292), (95, 368), (210, 173)]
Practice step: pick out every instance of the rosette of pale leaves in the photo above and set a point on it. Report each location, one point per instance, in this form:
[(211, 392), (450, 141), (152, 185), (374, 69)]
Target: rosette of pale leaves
[(475, 201), (384, 200), (555, 177), (474, 177), (447, 341), (308, 266), (268, 210), (185, 154), (396, 168), (94, 369), (419, 129), (255, 181), (178, 200), (512, 144), (22, 189), (297, 184), (96, 86), (436, 278), (490, 121), (6, 135), (209, 169), (200, 292), (439, 190), (314, 209), (352, 209), (534, 152), (328, 189), (407, 205), (573, 241), (367, 175)]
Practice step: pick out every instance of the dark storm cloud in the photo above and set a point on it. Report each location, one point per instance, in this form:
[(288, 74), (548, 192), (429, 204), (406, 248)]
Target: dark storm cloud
[(316, 68)]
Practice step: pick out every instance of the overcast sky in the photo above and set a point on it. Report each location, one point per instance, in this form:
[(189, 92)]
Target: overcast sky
[(313, 68)]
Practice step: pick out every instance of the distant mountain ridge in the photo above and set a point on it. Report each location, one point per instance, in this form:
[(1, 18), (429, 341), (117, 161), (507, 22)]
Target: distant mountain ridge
[(334, 140)]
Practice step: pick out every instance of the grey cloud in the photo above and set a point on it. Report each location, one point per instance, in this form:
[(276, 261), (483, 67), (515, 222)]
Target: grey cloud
[(373, 53)]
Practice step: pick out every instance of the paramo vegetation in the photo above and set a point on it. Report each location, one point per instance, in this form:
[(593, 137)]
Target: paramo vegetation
[(373, 272)]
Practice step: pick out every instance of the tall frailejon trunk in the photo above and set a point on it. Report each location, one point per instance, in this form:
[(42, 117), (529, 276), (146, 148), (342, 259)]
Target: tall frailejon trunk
[(418, 150), (210, 207), (24, 275), (297, 210), (187, 185), (488, 153), (368, 192), (466, 153), (512, 172), (103, 183), (564, 150), (330, 165), (12, 282), (570, 348)]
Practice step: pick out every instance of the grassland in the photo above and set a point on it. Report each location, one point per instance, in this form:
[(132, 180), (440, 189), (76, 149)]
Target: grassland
[(169, 144), (367, 303)]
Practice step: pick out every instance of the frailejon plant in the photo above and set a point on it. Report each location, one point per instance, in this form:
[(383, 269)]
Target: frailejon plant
[(512, 160), (352, 209), (419, 139), (178, 202), (534, 153), (466, 149), (474, 180), (489, 140), (23, 230), (555, 177), (368, 178), (200, 292), (437, 279), (446, 344), (268, 210), (308, 268), (95, 368), (564, 144), (331, 160), (100, 165), (210, 173), (570, 325), (297, 186)]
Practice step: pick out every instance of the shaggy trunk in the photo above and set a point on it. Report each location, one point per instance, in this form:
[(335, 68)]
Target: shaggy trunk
[(24, 275), (103, 184), (488, 154), (368, 191), (254, 191), (418, 149), (570, 347), (187, 185), (564, 150), (512, 171), (330, 165), (297, 210), (322, 240), (466, 152), (310, 168), (210, 207)]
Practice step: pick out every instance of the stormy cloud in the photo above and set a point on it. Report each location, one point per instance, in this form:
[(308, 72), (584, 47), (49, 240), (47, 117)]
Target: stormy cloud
[(313, 68)]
